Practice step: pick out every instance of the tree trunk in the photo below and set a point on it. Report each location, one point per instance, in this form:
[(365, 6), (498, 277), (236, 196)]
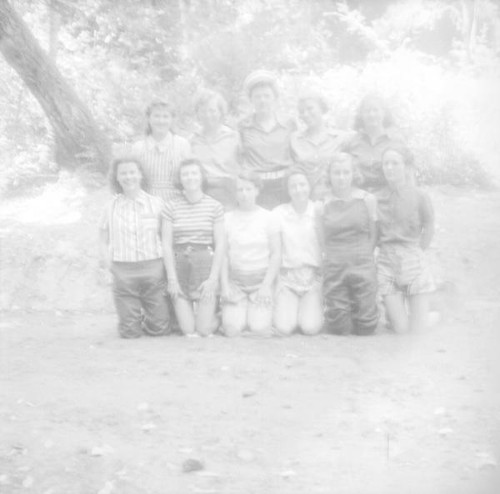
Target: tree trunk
[(81, 142)]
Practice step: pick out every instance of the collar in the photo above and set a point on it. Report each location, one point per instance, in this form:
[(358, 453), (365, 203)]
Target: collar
[(335, 133), (281, 121), (162, 145), (142, 198), (203, 195), (355, 194), (400, 191), (224, 131), (309, 211)]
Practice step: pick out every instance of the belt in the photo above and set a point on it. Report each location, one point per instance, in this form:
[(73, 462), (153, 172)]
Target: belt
[(189, 247), (272, 175)]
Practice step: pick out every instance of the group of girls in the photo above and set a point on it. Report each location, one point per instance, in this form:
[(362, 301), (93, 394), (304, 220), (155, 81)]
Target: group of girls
[(267, 229)]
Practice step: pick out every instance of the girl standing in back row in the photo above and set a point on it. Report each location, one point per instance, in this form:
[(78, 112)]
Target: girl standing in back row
[(161, 150)]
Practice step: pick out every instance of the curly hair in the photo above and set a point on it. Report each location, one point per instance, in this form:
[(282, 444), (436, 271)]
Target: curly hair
[(113, 171), (318, 98), (208, 96)]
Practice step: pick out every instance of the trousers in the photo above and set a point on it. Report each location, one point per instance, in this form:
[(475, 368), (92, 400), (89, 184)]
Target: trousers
[(140, 298), (350, 293)]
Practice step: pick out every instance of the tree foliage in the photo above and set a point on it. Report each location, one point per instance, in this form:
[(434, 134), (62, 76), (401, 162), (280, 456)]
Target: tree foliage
[(118, 55)]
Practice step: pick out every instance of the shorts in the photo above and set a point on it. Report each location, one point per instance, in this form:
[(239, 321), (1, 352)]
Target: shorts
[(403, 268), (300, 280), (193, 263), (244, 285)]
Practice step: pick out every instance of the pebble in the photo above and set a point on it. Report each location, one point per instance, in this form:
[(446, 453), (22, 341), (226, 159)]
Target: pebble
[(192, 465), (143, 407), (101, 450), (445, 431), (248, 394), (148, 427)]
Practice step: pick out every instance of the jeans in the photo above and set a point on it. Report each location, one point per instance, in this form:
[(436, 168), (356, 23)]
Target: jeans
[(140, 299)]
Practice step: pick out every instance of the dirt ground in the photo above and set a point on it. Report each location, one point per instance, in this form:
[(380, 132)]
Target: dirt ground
[(83, 412)]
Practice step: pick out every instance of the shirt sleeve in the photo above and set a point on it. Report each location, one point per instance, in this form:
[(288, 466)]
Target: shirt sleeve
[(167, 212), (137, 148), (276, 214), (185, 149), (272, 225), (371, 205), (104, 221), (319, 207), (218, 212), (426, 209), (106, 215)]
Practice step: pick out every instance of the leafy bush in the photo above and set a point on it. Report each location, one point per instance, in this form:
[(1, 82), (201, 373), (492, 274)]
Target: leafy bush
[(118, 55)]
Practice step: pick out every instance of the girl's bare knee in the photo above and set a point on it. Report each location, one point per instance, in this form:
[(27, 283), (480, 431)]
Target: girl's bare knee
[(207, 328), (282, 330), (232, 329), (260, 326), (284, 327), (311, 328)]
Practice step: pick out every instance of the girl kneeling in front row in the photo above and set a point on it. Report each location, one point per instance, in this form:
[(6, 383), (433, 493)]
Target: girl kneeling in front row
[(349, 231), (299, 297), (406, 228), (130, 247), (251, 262), (193, 246)]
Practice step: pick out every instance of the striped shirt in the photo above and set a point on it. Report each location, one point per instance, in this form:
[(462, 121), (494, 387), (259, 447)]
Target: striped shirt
[(193, 222), (134, 227), (161, 160)]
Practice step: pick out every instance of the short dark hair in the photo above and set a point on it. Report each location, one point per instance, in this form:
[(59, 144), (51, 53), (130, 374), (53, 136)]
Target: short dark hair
[(191, 162), (318, 98), (113, 170), (295, 170), (404, 151), (357, 177)]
